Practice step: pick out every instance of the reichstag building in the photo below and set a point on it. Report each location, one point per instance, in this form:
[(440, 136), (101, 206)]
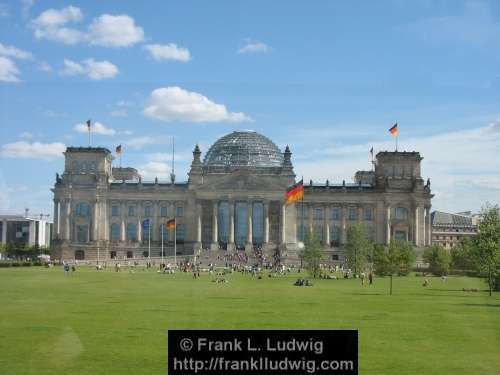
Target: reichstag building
[(234, 200)]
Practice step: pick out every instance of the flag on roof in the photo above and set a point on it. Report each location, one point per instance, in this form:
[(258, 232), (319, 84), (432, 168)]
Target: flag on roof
[(295, 192)]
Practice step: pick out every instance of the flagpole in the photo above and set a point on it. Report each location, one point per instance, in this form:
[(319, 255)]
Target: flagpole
[(397, 135), (302, 224), (175, 242), (149, 240), (162, 261)]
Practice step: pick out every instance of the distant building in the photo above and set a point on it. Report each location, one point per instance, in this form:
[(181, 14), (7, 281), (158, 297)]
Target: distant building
[(448, 230), (26, 230)]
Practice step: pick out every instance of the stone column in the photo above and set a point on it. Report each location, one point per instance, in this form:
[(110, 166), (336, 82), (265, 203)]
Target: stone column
[(326, 227), (249, 244), (283, 223), (55, 226), (416, 234), (343, 229), (67, 222), (230, 245), (215, 226), (266, 222), (429, 227), (388, 224), (95, 221), (360, 214), (310, 210), (123, 231), (4, 231), (198, 222)]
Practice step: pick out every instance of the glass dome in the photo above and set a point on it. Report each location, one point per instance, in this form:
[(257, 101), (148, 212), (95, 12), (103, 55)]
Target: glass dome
[(244, 148)]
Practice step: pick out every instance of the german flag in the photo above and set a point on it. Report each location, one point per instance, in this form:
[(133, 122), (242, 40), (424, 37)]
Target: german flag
[(119, 149), (295, 192), (171, 224), (394, 130)]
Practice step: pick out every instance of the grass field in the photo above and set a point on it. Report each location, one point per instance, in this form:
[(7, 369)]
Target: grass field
[(116, 323)]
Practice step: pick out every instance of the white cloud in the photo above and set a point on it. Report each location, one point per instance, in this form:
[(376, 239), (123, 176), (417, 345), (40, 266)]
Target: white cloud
[(167, 157), (50, 25), (139, 142), (44, 67), (35, 150), (95, 70), (26, 135), (476, 24), (115, 31), (97, 128), (154, 169), (253, 46), (168, 52), (11, 51), (177, 104), (106, 30), (4, 10), (8, 70), (119, 113)]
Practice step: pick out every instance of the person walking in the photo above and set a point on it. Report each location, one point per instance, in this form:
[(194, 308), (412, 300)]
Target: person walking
[(370, 278)]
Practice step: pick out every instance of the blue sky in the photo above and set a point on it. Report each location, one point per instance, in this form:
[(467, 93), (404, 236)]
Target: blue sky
[(326, 77)]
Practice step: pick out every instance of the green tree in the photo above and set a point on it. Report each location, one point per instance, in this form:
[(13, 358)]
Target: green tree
[(400, 257), (486, 250), (312, 254), (357, 248), (461, 255), (439, 260), (380, 260)]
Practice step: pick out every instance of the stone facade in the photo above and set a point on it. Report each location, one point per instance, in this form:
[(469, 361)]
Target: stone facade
[(449, 230), (233, 200)]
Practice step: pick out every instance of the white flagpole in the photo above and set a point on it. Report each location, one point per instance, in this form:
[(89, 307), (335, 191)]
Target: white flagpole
[(149, 240), (175, 242), (162, 262)]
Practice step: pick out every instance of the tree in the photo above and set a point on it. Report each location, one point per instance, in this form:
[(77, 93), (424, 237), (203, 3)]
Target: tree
[(461, 255), (357, 248), (486, 250), (439, 260), (380, 260), (312, 254), (400, 257)]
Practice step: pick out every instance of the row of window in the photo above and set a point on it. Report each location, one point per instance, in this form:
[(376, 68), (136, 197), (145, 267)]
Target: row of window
[(83, 210), (131, 233), (318, 213), (335, 213), (335, 231)]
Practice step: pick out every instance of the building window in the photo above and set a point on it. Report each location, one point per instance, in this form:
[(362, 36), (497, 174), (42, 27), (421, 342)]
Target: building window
[(148, 211), (318, 214), (181, 233), (335, 235), (179, 211), (131, 232), (240, 224), (223, 222), (352, 214), (335, 257), (115, 232), (130, 254), (258, 223), (163, 211), (82, 233), (115, 210), (368, 213), (335, 213), (112, 254), (401, 213), (79, 255), (400, 235), (83, 209), (318, 231), (131, 210)]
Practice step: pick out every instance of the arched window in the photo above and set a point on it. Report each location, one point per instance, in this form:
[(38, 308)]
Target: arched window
[(335, 235), (401, 213), (131, 232), (223, 222), (115, 232), (83, 209)]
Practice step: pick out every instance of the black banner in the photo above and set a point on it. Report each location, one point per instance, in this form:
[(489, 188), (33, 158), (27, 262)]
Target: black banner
[(262, 352)]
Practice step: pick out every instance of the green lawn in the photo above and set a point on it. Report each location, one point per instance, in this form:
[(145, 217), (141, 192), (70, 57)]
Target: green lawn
[(116, 323)]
